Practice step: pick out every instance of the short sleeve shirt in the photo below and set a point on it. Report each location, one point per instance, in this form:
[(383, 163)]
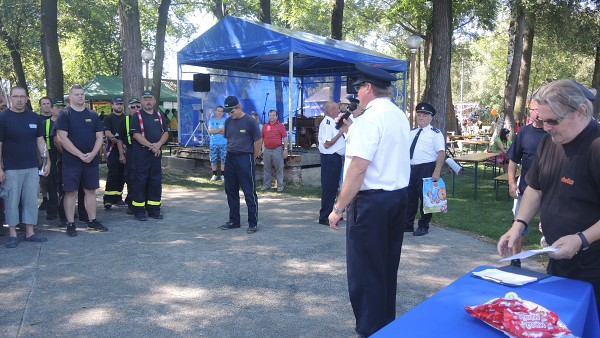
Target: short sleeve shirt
[(523, 150), (327, 132), (430, 142), (272, 135), (380, 135), (241, 134), (154, 126), (81, 127), (123, 131), (568, 177), (18, 134), (217, 139)]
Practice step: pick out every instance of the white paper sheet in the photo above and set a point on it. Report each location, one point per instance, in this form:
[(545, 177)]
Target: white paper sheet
[(499, 276), (529, 253)]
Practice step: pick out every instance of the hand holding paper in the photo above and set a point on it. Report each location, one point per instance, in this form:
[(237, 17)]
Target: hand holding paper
[(529, 253)]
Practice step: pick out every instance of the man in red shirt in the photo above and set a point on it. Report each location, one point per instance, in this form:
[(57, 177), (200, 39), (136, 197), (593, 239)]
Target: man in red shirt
[(274, 150)]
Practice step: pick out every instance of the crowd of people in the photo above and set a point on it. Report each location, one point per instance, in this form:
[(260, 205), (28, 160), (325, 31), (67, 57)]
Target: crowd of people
[(372, 170)]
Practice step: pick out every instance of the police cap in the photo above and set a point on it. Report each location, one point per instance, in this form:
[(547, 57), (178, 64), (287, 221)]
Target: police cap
[(373, 75), (425, 107)]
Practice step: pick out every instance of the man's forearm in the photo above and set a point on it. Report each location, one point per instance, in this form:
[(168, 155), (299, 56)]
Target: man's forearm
[(530, 204), (67, 145), (257, 147)]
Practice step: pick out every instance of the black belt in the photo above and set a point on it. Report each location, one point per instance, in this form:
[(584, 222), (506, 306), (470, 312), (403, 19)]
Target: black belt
[(238, 154), (420, 164), (370, 191)]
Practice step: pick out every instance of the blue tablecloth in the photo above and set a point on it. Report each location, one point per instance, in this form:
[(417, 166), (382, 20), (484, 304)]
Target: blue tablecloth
[(444, 315)]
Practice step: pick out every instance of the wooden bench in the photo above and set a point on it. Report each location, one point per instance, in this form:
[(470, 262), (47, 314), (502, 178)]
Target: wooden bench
[(502, 180)]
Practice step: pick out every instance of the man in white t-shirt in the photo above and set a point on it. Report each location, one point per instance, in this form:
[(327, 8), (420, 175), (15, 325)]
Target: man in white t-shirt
[(376, 174), (331, 146)]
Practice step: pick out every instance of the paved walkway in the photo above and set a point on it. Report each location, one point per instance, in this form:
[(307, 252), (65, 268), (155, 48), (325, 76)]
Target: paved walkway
[(182, 276)]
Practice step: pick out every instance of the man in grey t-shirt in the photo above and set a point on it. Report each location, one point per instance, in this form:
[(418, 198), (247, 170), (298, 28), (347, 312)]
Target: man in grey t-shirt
[(243, 147)]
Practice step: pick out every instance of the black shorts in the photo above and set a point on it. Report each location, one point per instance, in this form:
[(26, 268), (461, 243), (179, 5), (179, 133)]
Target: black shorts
[(88, 177)]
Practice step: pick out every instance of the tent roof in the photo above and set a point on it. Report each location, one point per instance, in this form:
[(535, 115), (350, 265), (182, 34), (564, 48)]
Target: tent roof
[(242, 45), (105, 88)]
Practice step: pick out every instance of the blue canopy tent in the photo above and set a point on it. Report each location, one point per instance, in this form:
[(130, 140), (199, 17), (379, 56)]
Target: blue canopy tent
[(238, 45)]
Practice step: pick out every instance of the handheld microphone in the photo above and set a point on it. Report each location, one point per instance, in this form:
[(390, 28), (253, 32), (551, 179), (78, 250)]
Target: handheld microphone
[(341, 121)]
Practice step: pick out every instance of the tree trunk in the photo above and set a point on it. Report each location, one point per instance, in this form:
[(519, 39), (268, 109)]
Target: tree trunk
[(596, 79), (515, 52), (50, 52), (218, 9), (427, 47), (265, 11), (131, 44), (159, 48), (15, 55), (523, 88), (439, 72), (337, 19)]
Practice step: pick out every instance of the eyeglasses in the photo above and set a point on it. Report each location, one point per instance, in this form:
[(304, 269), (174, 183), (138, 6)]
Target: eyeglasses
[(532, 109), (360, 85), (137, 106), (552, 122)]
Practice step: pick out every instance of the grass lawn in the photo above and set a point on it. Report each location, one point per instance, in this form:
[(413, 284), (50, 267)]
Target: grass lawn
[(485, 217)]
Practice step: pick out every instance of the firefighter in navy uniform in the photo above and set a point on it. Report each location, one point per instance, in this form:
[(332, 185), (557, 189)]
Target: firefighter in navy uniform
[(124, 141), (149, 132), (115, 178)]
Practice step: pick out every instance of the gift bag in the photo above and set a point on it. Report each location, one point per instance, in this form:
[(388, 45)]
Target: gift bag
[(434, 196)]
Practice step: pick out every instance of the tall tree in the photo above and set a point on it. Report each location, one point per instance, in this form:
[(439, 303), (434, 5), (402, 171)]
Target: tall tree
[(440, 61), (525, 71), (50, 51), (265, 11), (159, 47), (131, 44), (337, 20), (515, 52)]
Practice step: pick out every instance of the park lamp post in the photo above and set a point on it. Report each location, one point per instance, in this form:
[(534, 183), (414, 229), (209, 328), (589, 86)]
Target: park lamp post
[(413, 43), (147, 55)]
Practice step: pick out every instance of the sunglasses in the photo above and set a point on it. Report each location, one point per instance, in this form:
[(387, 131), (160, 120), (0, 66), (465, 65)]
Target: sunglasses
[(135, 106), (552, 122), (359, 86)]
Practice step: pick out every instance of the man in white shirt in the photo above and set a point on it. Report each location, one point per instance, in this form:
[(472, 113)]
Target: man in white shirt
[(376, 175), (331, 146), (427, 155)]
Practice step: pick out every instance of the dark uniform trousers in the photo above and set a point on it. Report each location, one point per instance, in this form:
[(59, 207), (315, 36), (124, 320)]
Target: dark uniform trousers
[(374, 235), (128, 174), (147, 181), (331, 169), (52, 186), (415, 194), (115, 178), (239, 173)]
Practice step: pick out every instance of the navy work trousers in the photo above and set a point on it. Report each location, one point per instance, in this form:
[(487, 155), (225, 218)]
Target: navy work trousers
[(239, 173), (331, 169), (374, 235), (147, 182), (415, 195), (115, 178)]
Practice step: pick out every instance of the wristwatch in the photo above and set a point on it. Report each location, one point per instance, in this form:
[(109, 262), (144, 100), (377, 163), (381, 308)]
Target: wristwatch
[(338, 211), (584, 242)]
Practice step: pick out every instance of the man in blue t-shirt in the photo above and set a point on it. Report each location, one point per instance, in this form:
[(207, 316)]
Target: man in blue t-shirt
[(21, 142), (80, 134), (243, 147), (218, 144)]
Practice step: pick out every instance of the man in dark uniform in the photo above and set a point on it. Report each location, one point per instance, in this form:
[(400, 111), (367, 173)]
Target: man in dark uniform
[(80, 133), (376, 174), (115, 177), (124, 142), (46, 113), (427, 155), (149, 133), (243, 147), (52, 156)]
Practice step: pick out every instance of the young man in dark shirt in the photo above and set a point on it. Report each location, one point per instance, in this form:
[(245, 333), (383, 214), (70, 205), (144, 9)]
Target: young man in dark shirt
[(80, 134), (115, 177), (564, 185), (149, 133), (21, 140), (46, 114), (243, 147), (124, 142)]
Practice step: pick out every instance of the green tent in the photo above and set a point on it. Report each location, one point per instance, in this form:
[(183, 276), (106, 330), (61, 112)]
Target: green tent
[(104, 88)]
